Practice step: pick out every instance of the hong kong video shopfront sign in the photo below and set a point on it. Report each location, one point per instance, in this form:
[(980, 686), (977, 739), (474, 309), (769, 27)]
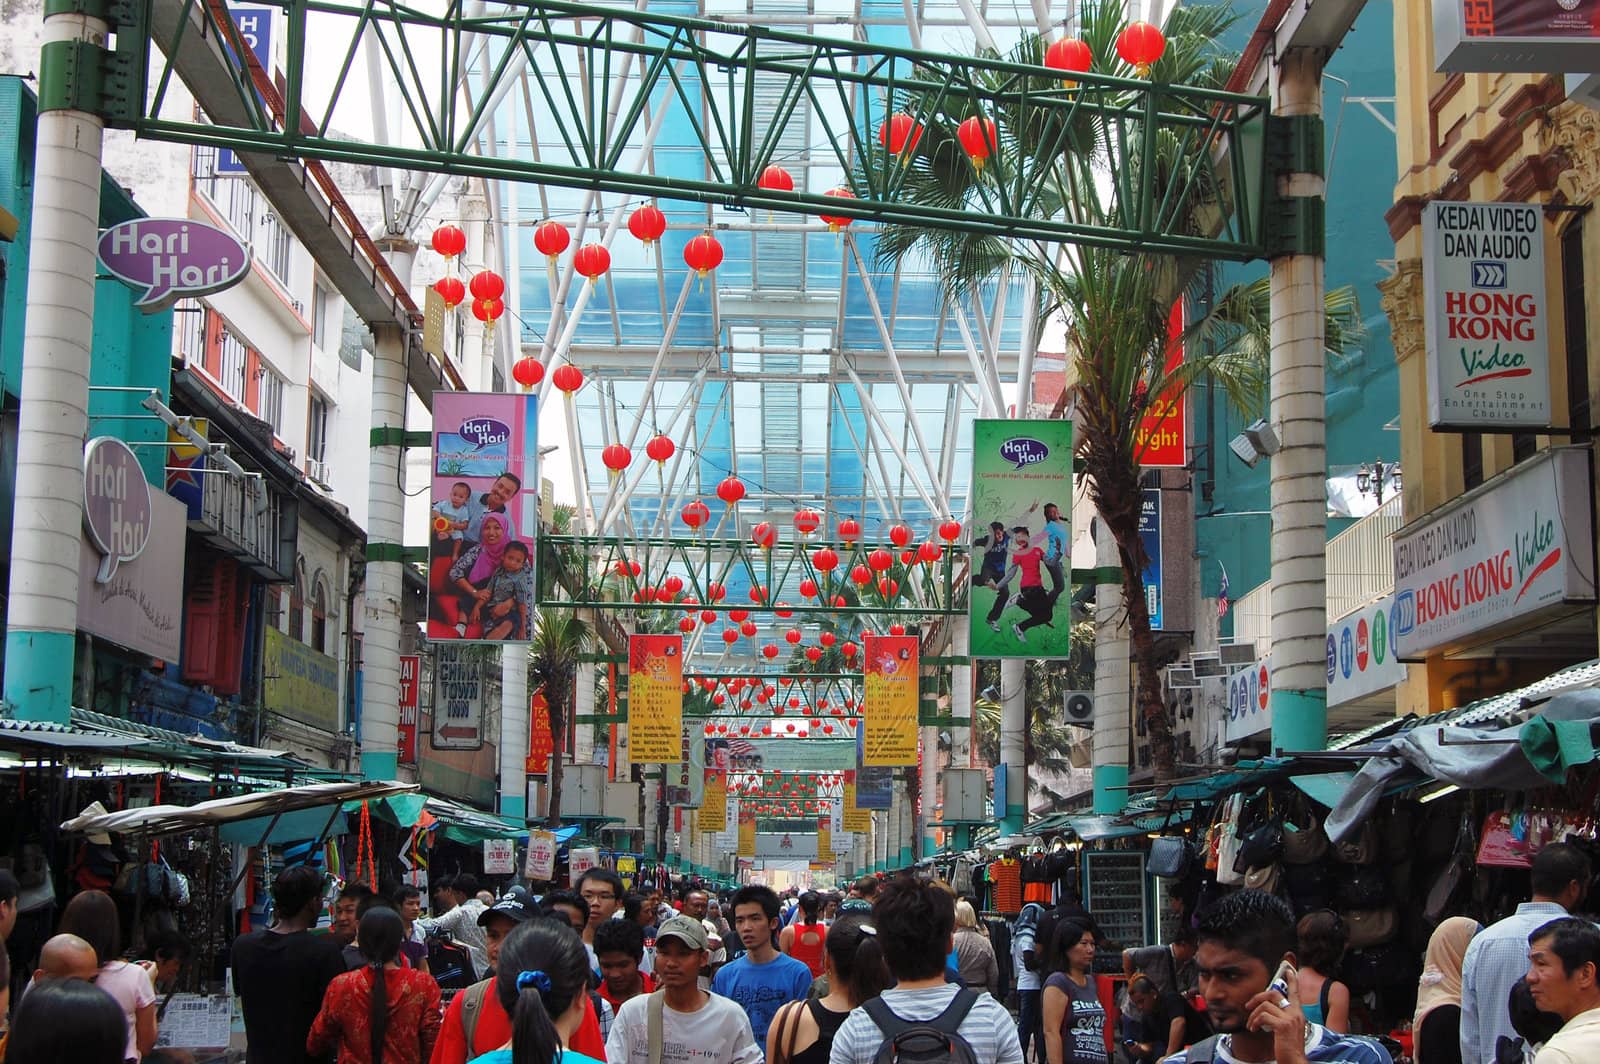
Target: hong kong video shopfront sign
[(1487, 338), (1518, 544)]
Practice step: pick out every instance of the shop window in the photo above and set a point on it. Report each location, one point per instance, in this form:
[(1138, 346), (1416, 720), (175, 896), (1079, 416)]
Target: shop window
[(1575, 319), (317, 429), (319, 619), (1472, 459), (231, 372), (273, 608), (320, 324), (271, 404)]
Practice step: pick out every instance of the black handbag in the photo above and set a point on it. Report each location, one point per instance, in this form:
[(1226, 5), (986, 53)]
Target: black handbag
[(1261, 847)]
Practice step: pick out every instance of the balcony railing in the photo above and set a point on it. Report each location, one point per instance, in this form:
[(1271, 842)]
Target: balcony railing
[(1361, 560)]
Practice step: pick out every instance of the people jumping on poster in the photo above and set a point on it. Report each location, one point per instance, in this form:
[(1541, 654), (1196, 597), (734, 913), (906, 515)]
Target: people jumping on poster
[(996, 547), (1056, 550), (1027, 562)]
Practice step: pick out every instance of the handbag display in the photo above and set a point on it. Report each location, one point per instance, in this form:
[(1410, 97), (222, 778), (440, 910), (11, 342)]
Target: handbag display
[(1170, 857), (1371, 927), (1303, 846), (1261, 847), (1266, 878), (1229, 873), (1361, 849)]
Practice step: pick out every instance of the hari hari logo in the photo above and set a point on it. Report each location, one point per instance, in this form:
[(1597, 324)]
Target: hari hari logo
[(1024, 451), (1531, 552)]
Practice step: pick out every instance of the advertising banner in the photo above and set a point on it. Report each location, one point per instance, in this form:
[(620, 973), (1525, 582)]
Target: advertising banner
[(786, 846), (747, 837), (782, 755), (824, 839), (540, 864), (540, 742), (1513, 546), (499, 857), (579, 861), (713, 815), (655, 699), (1163, 436), (1487, 339), (889, 706), (410, 697), (1363, 653), (299, 682), (1516, 36), (854, 819), (727, 840), (140, 606), (1022, 513), (255, 26), (1249, 703), (483, 516), (458, 698), (1150, 538)]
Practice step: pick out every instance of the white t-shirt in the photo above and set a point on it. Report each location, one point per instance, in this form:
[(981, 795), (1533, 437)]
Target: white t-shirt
[(718, 1033)]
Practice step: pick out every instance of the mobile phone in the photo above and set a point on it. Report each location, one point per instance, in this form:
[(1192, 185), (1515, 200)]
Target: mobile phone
[(1280, 982)]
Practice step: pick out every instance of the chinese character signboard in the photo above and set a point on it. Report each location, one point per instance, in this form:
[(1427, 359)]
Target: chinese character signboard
[(713, 814), (1487, 339), (483, 517), (540, 864), (1021, 512), (410, 677), (889, 709), (655, 699), (540, 741)]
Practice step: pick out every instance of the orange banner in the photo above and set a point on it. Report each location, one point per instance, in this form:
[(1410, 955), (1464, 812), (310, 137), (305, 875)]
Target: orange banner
[(747, 838), (889, 709), (713, 813), (539, 741), (655, 699), (1162, 438)]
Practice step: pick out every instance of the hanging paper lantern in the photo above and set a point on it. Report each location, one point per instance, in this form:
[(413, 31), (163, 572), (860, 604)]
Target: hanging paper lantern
[(808, 588), (451, 290), (783, 610), (710, 729), (686, 624), (449, 241), (1140, 44), (849, 650), (621, 568), (695, 514), (592, 260), (647, 224), (551, 238), (527, 371), (567, 378), (703, 254), (775, 179), (900, 133), (738, 616), (888, 588), (1071, 55), (813, 654), (793, 636), (837, 222), (488, 311), (881, 560), (807, 521), (827, 729), (769, 651), (828, 639), (899, 535), (979, 138), (486, 284), (730, 636), (764, 536), (849, 530), (731, 490), (748, 629), (708, 616), (616, 458), (672, 585), (929, 552), (907, 557), (758, 594), (825, 560), (716, 592), (897, 629), (660, 448), (861, 575), (950, 531)]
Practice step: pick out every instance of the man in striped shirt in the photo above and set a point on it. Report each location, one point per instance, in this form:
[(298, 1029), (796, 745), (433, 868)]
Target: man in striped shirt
[(915, 924)]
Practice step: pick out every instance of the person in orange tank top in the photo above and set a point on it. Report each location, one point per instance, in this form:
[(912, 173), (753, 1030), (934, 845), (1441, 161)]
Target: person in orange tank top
[(804, 939)]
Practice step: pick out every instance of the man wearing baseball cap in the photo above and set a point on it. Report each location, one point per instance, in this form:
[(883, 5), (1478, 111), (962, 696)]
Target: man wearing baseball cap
[(475, 1022), (685, 1015)]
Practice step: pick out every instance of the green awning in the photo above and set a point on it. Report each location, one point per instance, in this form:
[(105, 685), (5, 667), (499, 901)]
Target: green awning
[(1553, 746)]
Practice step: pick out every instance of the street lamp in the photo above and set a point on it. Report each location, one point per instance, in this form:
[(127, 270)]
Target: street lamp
[(1370, 478)]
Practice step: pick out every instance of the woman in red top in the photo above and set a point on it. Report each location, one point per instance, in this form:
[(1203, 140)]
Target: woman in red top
[(380, 1013), (804, 939)]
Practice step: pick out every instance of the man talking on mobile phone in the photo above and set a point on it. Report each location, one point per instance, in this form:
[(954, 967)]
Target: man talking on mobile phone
[(1243, 941)]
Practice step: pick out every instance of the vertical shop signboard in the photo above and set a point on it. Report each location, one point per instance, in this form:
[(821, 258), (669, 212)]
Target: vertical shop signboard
[(482, 518), (855, 820), (499, 857), (458, 699), (540, 864), (889, 707), (410, 678), (713, 814), (1150, 539), (655, 699), (540, 741), (747, 836), (255, 26), (1022, 545), (1162, 440)]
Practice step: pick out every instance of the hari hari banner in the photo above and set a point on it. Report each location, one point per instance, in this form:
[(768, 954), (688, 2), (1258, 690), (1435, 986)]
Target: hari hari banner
[(889, 708), (655, 699), (483, 516), (1022, 536)]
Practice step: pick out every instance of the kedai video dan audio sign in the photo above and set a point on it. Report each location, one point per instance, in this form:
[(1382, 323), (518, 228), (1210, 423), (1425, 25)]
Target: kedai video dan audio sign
[(1487, 338)]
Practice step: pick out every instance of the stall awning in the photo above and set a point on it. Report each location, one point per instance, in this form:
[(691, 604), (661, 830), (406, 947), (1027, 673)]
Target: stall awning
[(165, 819), (24, 733)]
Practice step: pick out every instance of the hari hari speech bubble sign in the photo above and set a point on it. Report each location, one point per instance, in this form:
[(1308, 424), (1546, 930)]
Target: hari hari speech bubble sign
[(171, 258), (116, 503)]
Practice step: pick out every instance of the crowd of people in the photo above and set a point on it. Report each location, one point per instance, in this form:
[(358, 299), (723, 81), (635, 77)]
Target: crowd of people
[(894, 970)]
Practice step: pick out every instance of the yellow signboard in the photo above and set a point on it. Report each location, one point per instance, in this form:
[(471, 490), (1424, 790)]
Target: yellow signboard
[(713, 813), (855, 821), (889, 709), (824, 840), (655, 699), (299, 682), (747, 838)]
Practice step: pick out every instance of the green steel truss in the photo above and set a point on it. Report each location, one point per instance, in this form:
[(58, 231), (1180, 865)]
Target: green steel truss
[(566, 59)]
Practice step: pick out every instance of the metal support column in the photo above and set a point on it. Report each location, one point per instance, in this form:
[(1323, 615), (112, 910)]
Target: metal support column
[(47, 518), (930, 792), (1013, 743)]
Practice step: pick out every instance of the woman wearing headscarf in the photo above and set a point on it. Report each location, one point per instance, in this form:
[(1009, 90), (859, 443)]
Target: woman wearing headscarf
[(470, 577), (1436, 1027)]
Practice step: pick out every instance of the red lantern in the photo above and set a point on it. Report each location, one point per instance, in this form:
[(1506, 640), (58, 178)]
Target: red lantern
[(907, 557), (451, 290), (929, 552), (673, 585), (616, 458), (730, 636), (897, 629), (783, 610), (775, 179), (488, 311), (551, 238), (567, 378), (738, 616), (647, 223), (592, 260), (828, 639), (793, 636), (686, 624), (769, 651), (703, 254), (660, 448), (716, 592), (696, 514), (808, 588), (849, 530), (1140, 45), (486, 284), (449, 241), (861, 575), (979, 138), (899, 535), (807, 521), (827, 729), (837, 222), (1071, 55), (527, 371), (825, 560), (748, 629), (731, 490), (950, 531), (708, 616), (881, 560), (888, 588), (763, 536), (900, 133), (848, 650), (813, 654)]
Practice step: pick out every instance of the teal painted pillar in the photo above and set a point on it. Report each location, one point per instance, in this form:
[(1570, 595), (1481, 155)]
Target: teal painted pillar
[(513, 808), (379, 764), (1110, 788), (1299, 720), (1013, 745)]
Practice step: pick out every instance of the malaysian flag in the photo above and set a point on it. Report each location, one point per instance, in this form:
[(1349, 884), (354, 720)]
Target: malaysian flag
[(1222, 593)]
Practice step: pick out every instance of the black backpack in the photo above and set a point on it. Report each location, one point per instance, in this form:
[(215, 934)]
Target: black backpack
[(935, 1041)]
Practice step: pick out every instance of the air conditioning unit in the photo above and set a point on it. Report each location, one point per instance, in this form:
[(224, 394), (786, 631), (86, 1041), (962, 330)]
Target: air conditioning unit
[(1178, 679), (318, 471), (1237, 655), (1080, 707), (1207, 665)]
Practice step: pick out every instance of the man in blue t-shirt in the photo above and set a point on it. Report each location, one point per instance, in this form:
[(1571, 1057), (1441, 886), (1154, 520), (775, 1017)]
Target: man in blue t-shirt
[(1056, 549), (1242, 940), (763, 980)]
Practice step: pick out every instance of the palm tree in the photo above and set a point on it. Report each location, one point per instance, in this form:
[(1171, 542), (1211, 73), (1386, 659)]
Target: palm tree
[(559, 641)]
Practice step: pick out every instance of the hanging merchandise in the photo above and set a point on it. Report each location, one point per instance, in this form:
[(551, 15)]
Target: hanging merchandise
[(1005, 878)]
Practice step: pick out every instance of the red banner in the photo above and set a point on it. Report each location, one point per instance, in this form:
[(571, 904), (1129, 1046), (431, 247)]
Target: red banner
[(1163, 437), (540, 744), (410, 673)]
